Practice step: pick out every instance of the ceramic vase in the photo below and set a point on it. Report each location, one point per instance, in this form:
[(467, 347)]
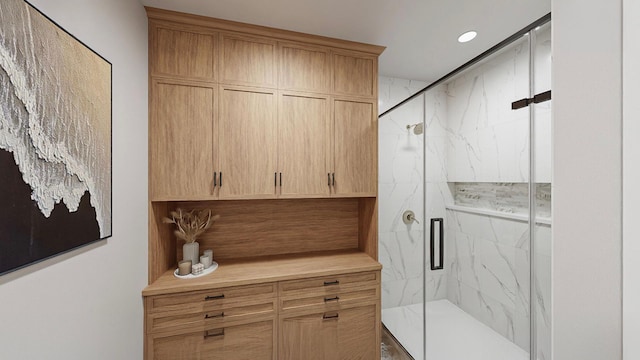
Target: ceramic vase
[(191, 251)]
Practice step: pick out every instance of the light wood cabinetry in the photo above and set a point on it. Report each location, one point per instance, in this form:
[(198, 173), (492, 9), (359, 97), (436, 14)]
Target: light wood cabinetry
[(247, 143), (181, 140), (305, 68), (248, 60), (355, 74), (335, 335), (183, 52), (304, 140), (355, 153), (276, 132)]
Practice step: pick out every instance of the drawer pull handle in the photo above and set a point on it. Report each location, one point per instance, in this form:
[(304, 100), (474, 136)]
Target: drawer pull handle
[(328, 317), (335, 298), (207, 316), (328, 283), (213, 333), (217, 297)]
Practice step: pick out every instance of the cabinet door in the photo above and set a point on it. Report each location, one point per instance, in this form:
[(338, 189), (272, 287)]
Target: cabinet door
[(355, 148), (247, 145), (248, 60), (348, 334), (253, 341), (183, 53), (304, 145), (180, 133), (304, 68), (355, 75)]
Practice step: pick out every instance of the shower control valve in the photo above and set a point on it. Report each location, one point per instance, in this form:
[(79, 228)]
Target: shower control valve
[(408, 217)]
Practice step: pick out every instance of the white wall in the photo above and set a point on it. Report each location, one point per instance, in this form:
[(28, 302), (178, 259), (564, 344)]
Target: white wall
[(87, 304), (631, 179), (587, 180)]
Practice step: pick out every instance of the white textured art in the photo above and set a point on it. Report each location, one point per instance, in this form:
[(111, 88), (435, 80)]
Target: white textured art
[(55, 116)]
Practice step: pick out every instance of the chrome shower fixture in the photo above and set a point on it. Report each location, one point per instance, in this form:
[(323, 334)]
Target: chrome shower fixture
[(417, 128)]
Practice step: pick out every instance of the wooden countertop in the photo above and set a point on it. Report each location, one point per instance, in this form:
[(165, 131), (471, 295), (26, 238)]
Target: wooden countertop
[(266, 269)]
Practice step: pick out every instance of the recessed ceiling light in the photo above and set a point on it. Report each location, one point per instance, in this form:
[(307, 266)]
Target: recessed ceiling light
[(468, 36)]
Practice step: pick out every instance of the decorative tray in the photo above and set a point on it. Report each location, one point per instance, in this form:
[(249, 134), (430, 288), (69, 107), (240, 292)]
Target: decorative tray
[(209, 270)]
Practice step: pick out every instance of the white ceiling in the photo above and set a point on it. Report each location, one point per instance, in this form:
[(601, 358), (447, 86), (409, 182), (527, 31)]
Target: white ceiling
[(420, 35)]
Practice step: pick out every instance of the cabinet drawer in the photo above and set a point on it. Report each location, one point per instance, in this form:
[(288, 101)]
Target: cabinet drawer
[(329, 302), (202, 301), (254, 341), (215, 316), (328, 285)]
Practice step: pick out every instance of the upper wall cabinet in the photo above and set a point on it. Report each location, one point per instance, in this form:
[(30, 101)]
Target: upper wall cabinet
[(355, 148), (184, 53), (246, 112), (181, 129), (355, 74), (305, 68), (247, 143), (248, 60)]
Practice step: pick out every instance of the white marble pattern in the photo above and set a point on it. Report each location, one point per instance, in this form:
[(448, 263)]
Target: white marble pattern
[(392, 91)]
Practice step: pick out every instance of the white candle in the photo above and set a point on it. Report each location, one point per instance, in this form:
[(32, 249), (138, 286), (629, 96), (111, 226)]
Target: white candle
[(184, 267)]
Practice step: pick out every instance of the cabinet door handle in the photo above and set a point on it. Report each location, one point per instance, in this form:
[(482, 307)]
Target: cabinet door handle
[(327, 283), (328, 179), (333, 182), (330, 316), (217, 297), (275, 179), (213, 333), (335, 298), (207, 316), (220, 178), (215, 178), (280, 179)]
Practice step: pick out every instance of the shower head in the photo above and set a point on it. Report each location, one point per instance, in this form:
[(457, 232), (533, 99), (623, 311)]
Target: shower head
[(417, 128)]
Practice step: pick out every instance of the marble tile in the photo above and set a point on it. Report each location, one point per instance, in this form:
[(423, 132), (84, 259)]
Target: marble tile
[(402, 292), (489, 311), (435, 285), (394, 200), (401, 254), (392, 91), (435, 166)]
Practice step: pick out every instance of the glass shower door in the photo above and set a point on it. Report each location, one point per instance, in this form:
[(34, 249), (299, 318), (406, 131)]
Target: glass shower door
[(477, 184), (401, 224)]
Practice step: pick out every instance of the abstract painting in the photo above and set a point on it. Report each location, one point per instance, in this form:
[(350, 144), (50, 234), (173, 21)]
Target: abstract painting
[(55, 139)]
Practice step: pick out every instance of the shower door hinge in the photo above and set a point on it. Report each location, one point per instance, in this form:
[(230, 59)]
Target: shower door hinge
[(542, 97)]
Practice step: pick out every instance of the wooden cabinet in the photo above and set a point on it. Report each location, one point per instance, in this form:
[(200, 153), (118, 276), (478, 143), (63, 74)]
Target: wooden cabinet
[(251, 341), (355, 149), (181, 130), (248, 60), (247, 144), (276, 106), (264, 127), (183, 52), (305, 68), (355, 74), (304, 141), (329, 318), (339, 335)]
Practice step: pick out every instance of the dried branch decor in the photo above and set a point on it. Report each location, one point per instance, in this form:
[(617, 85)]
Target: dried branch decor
[(190, 224)]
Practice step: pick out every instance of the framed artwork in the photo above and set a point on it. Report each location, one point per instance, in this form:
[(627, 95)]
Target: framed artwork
[(55, 139)]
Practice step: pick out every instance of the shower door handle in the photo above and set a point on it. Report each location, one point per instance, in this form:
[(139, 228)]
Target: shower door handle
[(440, 239)]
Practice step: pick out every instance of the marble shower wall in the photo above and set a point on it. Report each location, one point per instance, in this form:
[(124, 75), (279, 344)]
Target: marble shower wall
[(489, 142)]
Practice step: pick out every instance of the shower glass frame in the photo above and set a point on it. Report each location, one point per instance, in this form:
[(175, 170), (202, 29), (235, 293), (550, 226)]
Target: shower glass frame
[(529, 31)]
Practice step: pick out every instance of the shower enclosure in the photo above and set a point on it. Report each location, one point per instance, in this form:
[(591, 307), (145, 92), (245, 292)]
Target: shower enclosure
[(465, 208)]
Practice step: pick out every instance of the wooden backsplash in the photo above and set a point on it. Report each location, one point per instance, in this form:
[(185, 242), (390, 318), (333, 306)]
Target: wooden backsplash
[(249, 228)]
